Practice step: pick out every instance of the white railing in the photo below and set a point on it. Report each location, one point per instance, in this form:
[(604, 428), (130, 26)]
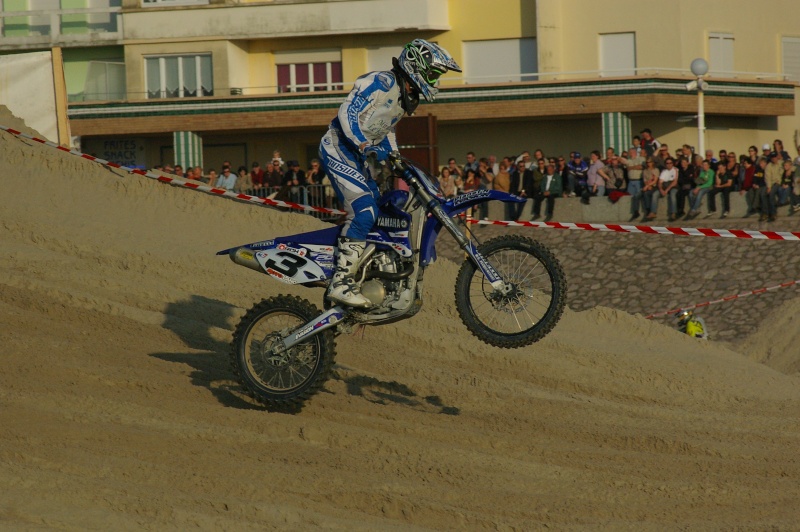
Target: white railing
[(600, 74), (454, 82)]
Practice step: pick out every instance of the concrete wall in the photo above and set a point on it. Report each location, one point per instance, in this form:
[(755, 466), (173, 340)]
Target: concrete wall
[(285, 19), (684, 24)]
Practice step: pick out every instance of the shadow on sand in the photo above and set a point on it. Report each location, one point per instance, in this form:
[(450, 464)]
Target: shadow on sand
[(193, 321)]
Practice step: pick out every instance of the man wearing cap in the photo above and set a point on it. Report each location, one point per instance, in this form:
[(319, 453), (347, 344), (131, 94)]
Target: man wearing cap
[(577, 170), (295, 178), (773, 174)]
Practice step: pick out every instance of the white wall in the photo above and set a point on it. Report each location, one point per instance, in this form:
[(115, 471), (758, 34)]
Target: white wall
[(26, 88)]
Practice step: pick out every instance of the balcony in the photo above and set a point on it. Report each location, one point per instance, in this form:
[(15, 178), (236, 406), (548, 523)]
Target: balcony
[(455, 104), (283, 19), (32, 30)]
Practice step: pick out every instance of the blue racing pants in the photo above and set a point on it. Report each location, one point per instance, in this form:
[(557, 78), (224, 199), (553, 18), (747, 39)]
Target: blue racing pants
[(357, 192)]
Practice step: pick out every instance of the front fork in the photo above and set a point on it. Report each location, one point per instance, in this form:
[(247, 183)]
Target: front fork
[(465, 243)]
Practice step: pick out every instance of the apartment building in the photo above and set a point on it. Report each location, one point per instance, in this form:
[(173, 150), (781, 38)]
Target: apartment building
[(203, 81)]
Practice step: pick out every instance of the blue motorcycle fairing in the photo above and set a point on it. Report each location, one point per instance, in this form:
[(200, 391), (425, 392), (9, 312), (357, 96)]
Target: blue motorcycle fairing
[(455, 206), (464, 201), (320, 237), (391, 231)]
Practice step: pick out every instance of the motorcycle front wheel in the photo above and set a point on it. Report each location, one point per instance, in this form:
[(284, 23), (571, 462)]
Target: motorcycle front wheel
[(281, 380), (529, 306)]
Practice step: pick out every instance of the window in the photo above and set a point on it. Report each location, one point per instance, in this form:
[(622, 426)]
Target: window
[(498, 61), (40, 24), (179, 76), (617, 54), (720, 54), (310, 77), (105, 80), (309, 70), (791, 58)]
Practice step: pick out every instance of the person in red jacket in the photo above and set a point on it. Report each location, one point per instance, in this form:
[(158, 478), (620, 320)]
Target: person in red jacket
[(257, 176)]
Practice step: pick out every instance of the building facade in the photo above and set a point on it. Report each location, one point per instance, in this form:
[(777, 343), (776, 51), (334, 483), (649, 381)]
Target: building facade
[(243, 78)]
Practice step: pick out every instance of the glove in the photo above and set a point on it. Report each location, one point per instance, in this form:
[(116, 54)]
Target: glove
[(380, 154), (396, 161)]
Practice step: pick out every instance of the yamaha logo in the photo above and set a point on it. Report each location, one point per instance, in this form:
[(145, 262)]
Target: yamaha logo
[(392, 223)]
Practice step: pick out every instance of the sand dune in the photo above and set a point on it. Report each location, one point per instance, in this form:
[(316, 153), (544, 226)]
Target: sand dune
[(119, 410)]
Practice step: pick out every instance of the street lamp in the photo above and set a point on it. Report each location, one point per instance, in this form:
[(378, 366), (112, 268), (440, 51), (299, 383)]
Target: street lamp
[(699, 68)]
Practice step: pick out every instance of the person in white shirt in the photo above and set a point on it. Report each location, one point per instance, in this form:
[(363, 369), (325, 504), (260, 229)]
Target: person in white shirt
[(667, 186)]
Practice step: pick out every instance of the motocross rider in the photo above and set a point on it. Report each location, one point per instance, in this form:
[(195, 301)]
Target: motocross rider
[(361, 137)]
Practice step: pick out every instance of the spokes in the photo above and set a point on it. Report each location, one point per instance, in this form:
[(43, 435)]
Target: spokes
[(276, 369), (524, 301)]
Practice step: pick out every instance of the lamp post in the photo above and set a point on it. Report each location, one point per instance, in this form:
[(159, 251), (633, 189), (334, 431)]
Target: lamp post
[(700, 68)]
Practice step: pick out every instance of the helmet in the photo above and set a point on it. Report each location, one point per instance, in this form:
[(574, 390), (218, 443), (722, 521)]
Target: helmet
[(422, 63), (684, 316)]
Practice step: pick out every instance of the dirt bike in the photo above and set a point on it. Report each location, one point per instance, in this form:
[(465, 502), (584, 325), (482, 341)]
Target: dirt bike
[(510, 291)]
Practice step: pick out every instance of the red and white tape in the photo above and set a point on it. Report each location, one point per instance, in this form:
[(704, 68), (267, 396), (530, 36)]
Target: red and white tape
[(176, 180), (650, 230), (724, 299), (645, 229)]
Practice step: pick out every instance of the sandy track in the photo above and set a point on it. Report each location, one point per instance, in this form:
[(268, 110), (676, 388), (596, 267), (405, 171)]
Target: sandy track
[(118, 409)]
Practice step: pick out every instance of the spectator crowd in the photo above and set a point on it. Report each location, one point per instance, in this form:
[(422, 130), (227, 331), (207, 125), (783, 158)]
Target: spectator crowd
[(648, 172), (279, 180)]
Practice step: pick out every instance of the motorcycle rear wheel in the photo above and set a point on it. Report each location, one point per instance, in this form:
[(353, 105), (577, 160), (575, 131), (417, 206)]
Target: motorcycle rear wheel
[(281, 380), (532, 306)]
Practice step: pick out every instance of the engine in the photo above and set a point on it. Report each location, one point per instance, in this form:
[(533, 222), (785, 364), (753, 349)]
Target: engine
[(385, 283)]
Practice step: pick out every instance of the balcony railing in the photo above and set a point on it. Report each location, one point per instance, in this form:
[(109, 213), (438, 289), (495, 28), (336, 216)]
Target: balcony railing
[(84, 27), (452, 82)]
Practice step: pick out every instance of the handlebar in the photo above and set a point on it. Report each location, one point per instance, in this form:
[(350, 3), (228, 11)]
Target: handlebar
[(397, 164)]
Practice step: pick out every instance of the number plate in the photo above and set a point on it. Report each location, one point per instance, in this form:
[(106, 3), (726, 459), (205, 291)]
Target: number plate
[(291, 267)]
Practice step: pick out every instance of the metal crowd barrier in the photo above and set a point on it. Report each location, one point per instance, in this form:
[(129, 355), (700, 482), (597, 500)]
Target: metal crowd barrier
[(315, 195)]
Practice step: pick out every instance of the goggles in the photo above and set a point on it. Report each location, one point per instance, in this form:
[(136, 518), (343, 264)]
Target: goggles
[(433, 75)]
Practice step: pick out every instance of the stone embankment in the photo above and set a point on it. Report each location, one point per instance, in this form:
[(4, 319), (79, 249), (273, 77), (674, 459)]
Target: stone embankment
[(641, 273)]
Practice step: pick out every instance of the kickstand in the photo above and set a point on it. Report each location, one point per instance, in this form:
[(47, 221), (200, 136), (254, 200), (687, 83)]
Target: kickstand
[(358, 332)]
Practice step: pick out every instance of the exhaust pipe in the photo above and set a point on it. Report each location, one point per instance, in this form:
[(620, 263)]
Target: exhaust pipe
[(245, 257)]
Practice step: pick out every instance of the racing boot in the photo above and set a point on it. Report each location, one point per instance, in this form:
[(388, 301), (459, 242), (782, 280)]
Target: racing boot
[(343, 288)]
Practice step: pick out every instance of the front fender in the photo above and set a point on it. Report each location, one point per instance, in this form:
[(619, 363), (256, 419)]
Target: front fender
[(462, 202)]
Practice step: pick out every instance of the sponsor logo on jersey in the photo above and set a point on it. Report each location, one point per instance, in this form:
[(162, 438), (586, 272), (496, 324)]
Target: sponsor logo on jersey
[(392, 223), (469, 196), (348, 171)]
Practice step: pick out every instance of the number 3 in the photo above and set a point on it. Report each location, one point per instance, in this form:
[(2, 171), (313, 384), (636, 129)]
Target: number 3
[(289, 265)]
